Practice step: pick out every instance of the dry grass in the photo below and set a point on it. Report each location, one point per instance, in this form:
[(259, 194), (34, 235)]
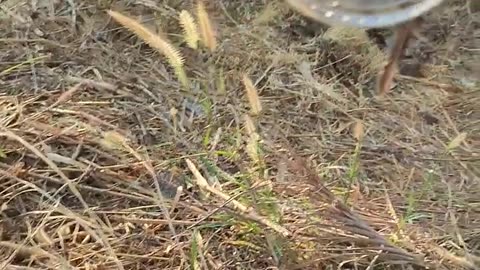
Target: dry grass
[(277, 155)]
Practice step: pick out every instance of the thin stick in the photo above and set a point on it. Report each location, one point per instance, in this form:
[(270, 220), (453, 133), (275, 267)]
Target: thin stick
[(403, 35)]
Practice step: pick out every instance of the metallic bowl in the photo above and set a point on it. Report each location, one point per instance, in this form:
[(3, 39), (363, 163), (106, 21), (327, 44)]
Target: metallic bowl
[(364, 13)]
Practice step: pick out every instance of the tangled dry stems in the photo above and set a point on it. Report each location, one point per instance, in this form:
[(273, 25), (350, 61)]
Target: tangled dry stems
[(96, 134)]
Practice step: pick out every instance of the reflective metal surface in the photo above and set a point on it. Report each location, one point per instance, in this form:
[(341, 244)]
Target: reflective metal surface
[(363, 13)]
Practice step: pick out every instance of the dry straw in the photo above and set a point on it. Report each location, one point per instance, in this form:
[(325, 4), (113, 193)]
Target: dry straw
[(190, 29), (253, 140), (206, 29), (233, 203), (252, 95), (162, 45)]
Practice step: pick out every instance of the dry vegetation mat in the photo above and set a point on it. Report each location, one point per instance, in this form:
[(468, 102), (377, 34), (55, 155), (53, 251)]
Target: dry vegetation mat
[(233, 135)]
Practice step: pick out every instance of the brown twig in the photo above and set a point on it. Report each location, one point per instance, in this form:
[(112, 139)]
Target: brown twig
[(403, 35)]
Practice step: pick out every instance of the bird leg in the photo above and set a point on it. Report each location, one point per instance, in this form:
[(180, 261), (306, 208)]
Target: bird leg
[(402, 37)]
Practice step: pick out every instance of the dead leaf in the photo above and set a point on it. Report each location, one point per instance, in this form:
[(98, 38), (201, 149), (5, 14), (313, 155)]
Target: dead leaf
[(358, 130)]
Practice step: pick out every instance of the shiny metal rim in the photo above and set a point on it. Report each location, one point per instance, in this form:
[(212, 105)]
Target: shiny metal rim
[(331, 14)]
